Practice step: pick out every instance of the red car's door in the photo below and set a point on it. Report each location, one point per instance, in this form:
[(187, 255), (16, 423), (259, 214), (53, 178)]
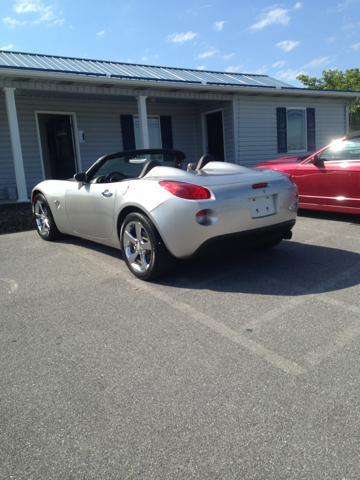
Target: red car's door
[(334, 181)]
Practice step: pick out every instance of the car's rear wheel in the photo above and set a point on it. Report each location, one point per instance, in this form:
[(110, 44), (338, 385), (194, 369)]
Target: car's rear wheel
[(45, 223), (143, 249)]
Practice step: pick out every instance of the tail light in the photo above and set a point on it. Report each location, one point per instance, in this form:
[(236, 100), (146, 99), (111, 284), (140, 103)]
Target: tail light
[(186, 190), (260, 185)]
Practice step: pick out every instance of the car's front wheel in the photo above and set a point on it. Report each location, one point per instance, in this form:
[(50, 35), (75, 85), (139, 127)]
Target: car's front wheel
[(143, 249), (45, 223)]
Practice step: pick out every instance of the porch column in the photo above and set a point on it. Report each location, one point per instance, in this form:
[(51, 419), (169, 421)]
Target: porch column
[(144, 131), (15, 144)]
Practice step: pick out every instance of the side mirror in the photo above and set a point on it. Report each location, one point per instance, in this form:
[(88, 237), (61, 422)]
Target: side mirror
[(315, 160), (81, 177)]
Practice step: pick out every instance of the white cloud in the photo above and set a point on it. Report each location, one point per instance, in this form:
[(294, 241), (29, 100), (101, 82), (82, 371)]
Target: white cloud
[(288, 74), (101, 33), (208, 54), (220, 25), (46, 13), (279, 64), (262, 70), (181, 37), (57, 22), (318, 61), (297, 5), (277, 15), (287, 45), (26, 6), (356, 47), (8, 47), (12, 23), (227, 57), (331, 39), (233, 69), (201, 67)]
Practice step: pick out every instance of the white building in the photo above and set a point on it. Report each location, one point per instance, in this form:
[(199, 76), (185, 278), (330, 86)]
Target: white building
[(58, 115)]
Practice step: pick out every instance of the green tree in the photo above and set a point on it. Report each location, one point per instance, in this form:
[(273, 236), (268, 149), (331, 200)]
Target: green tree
[(338, 80)]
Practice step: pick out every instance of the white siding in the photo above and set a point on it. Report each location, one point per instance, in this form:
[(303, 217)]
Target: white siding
[(100, 122), (257, 129)]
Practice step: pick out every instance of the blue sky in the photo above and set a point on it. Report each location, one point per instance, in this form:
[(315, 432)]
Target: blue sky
[(281, 40)]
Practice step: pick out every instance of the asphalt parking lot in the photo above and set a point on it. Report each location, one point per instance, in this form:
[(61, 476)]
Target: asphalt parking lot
[(244, 365)]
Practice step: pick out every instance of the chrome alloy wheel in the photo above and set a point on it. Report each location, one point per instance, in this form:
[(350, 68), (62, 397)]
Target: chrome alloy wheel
[(137, 246), (42, 218)]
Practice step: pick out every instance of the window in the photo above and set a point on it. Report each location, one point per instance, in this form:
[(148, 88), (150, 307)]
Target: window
[(296, 139), (295, 129), (160, 132), (154, 132)]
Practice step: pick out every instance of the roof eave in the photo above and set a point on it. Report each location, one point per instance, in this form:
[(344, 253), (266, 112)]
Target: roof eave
[(189, 86)]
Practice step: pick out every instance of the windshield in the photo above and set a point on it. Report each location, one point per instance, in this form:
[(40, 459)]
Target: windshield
[(131, 165)]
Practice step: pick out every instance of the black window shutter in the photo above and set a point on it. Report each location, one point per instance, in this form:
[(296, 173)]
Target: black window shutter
[(128, 132), (281, 130), (310, 120), (166, 132)]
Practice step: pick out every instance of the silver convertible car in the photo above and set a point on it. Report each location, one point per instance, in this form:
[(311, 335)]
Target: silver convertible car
[(144, 203)]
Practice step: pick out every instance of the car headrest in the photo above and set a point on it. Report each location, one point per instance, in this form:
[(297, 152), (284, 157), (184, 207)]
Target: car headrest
[(148, 166), (204, 160)]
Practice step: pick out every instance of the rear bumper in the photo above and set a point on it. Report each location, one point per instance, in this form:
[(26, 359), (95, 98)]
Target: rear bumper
[(250, 238)]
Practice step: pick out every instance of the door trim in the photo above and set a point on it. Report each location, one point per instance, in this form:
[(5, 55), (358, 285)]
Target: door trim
[(75, 133), (204, 129)]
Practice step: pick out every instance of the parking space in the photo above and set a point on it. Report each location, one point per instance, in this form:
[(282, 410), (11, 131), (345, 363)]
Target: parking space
[(239, 365)]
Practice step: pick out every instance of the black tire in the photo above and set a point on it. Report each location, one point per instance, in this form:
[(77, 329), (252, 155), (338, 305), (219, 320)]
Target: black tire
[(143, 250), (45, 224), (267, 245)]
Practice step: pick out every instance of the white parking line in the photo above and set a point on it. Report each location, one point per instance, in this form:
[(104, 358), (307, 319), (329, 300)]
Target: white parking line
[(270, 356), (260, 350)]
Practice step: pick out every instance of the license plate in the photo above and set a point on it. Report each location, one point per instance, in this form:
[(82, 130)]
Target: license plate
[(262, 206)]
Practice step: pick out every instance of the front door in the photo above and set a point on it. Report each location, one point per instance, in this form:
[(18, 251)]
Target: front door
[(215, 135), (333, 183), (61, 147), (90, 208)]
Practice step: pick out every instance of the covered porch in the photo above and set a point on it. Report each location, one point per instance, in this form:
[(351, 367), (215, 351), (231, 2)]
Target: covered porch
[(53, 129)]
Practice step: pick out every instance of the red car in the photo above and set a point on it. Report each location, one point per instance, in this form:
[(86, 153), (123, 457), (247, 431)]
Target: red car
[(328, 179)]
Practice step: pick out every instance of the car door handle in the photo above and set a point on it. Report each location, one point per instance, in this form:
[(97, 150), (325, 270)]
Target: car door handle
[(106, 193)]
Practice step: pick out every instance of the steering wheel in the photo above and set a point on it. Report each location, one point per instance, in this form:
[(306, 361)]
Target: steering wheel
[(114, 177)]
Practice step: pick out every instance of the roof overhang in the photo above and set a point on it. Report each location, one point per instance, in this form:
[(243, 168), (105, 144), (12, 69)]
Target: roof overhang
[(39, 76)]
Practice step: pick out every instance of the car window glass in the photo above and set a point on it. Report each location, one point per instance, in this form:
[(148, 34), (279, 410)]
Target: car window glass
[(342, 150)]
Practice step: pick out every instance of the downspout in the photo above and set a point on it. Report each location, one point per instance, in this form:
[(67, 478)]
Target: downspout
[(347, 113)]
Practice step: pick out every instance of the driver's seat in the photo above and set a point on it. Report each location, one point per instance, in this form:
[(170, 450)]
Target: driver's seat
[(149, 166)]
